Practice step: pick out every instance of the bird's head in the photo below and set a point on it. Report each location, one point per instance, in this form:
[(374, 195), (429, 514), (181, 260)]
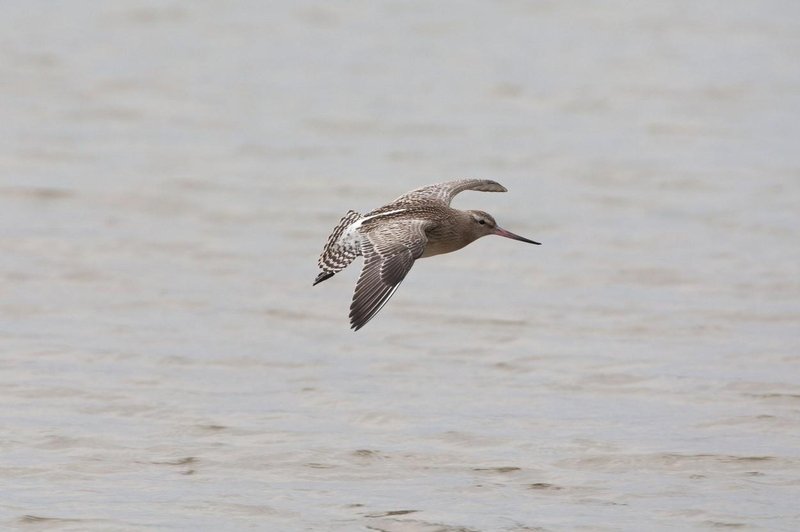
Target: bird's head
[(483, 224)]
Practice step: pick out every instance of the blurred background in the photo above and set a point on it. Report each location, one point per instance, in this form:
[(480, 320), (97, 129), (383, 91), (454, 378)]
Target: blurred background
[(171, 171)]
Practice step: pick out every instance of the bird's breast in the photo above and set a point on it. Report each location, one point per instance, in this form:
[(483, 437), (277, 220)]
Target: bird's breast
[(438, 246)]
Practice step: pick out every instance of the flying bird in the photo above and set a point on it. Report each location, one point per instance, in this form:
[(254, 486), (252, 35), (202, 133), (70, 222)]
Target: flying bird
[(418, 224)]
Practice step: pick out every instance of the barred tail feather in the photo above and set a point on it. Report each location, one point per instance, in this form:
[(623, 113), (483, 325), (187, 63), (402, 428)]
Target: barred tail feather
[(337, 253)]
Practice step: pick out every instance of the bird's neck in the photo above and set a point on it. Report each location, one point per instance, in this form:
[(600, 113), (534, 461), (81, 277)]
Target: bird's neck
[(451, 234)]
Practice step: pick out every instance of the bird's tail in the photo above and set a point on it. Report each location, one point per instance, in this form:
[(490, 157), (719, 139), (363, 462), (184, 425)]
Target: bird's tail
[(338, 253)]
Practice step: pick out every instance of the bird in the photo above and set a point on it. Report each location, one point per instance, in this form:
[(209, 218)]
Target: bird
[(416, 225)]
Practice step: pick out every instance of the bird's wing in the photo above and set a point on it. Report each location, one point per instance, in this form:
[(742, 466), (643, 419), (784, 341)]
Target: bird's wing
[(444, 192), (389, 252)]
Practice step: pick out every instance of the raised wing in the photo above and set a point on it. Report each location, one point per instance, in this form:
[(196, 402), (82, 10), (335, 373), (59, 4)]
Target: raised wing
[(389, 252), (444, 192)]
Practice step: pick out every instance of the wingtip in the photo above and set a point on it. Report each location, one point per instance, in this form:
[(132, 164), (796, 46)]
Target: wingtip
[(494, 186), (355, 325), (357, 321)]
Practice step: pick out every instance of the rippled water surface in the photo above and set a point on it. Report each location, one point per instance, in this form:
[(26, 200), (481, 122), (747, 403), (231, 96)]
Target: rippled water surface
[(171, 170)]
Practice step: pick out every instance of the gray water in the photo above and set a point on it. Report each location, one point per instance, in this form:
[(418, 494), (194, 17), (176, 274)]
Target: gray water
[(171, 170)]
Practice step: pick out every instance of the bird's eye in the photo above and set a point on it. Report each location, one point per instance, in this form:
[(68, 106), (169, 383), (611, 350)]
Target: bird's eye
[(482, 222)]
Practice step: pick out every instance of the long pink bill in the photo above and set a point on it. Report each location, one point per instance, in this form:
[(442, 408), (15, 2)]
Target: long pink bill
[(509, 234)]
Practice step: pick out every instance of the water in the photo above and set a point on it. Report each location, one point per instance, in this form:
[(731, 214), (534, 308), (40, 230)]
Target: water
[(172, 169)]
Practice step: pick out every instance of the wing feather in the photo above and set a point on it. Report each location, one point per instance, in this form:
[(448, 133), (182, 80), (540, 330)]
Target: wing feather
[(444, 192), (389, 252)]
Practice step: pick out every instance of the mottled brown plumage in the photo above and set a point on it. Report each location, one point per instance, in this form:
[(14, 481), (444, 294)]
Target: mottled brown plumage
[(418, 224)]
